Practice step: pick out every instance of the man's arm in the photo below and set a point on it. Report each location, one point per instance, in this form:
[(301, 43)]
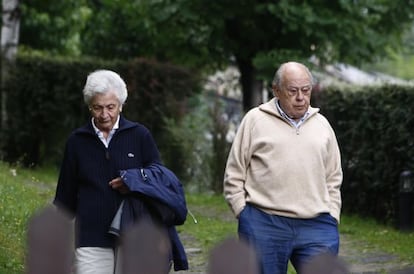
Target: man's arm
[(236, 170), (334, 177)]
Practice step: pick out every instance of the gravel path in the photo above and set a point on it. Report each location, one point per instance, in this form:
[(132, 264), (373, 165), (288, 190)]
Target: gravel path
[(363, 259)]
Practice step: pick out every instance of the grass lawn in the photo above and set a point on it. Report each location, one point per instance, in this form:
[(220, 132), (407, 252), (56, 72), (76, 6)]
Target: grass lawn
[(382, 237), (23, 192)]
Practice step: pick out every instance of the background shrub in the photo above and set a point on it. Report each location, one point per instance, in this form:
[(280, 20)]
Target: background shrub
[(374, 127), (45, 102)]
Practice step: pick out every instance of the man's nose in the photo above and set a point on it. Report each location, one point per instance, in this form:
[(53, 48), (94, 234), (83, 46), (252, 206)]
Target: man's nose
[(299, 95)]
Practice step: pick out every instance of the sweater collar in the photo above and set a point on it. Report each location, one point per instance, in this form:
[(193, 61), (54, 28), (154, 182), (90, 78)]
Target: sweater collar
[(123, 124), (270, 107), (287, 117)]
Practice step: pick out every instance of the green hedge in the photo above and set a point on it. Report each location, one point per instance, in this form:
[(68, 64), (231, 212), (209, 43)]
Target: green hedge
[(374, 125), (375, 130), (45, 102)]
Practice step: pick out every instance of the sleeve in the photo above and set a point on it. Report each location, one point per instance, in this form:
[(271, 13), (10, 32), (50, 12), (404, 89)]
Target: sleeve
[(67, 188), (236, 169), (150, 152), (334, 177)]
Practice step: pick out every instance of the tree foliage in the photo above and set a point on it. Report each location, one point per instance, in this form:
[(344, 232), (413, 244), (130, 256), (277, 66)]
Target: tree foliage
[(400, 61), (255, 35), (53, 26), (116, 30), (259, 36)]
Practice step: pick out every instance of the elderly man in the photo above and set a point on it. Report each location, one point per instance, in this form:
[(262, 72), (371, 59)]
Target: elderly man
[(283, 176)]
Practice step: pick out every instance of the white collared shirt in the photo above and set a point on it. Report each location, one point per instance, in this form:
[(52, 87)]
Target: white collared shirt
[(104, 140)]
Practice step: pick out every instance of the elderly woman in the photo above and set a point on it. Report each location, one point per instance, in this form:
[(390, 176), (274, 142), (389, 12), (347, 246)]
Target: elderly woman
[(89, 187)]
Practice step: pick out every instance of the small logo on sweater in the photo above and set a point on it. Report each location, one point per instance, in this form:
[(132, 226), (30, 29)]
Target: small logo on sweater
[(131, 155)]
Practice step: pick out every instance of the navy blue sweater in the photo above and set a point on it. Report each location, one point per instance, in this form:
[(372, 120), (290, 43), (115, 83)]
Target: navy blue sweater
[(83, 186)]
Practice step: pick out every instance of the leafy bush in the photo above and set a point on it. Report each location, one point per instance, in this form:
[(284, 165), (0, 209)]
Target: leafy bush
[(374, 130), (201, 137), (45, 102), (191, 146)]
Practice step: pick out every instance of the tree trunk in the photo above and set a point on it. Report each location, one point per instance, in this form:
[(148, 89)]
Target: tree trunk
[(220, 146), (9, 42), (252, 88)]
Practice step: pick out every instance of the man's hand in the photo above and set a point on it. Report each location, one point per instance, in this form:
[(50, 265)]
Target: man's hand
[(119, 185)]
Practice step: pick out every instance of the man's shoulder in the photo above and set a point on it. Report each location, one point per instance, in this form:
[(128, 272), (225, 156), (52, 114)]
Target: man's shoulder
[(266, 108), (319, 116), (321, 119), (255, 114)]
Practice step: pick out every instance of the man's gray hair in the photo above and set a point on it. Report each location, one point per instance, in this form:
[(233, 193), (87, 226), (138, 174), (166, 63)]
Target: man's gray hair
[(278, 78)]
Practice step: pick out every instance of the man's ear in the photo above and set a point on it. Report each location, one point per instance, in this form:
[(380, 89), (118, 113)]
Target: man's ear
[(275, 91)]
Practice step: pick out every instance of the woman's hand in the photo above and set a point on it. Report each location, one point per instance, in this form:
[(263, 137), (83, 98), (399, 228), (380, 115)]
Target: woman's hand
[(118, 184)]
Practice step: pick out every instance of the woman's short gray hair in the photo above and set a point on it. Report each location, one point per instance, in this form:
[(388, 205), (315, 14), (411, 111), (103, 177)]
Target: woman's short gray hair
[(102, 81)]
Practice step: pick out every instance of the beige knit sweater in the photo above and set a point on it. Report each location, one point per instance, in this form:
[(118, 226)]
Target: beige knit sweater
[(283, 170)]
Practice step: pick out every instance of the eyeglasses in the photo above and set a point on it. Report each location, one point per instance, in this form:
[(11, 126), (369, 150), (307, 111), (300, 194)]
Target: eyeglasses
[(294, 91)]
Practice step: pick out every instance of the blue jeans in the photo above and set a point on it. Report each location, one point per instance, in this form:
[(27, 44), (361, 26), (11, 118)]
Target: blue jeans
[(278, 239)]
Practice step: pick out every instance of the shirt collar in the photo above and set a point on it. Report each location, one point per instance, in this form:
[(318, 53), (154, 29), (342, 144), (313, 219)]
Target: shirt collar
[(115, 127), (292, 121)]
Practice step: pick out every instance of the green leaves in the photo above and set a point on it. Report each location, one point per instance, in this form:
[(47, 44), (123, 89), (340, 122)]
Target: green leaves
[(201, 33), (22, 193), (52, 26), (374, 130)]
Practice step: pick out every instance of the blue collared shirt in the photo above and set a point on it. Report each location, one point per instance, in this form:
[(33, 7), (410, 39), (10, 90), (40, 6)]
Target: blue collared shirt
[(293, 122)]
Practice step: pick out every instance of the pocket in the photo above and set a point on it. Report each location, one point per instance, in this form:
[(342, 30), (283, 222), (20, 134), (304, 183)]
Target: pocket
[(327, 218), (242, 212)]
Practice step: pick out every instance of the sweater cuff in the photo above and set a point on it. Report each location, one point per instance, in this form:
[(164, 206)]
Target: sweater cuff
[(238, 207)]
